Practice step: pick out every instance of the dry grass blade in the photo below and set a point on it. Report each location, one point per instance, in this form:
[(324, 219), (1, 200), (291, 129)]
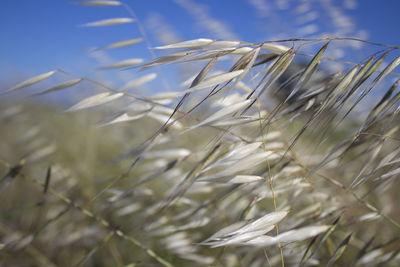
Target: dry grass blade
[(60, 86), (306, 75), (288, 237), (250, 58), (189, 179), (242, 151), (226, 231), (237, 179), (236, 233), (367, 164), (216, 79), (99, 3), (164, 119), (222, 113), (166, 95), (389, 174), (244, 61), (301, 233), (39, 231), (168, 154), (95, 100), (276, 48), (277, 69), (47, 180), (31, 81), (123, 118), (206, 55), (339, 251), (384, 101), (103, 242), (234, 121), (337, 150), (241, 179), (108, 22), (165, 59), (375, 66), (139, 81), (203, 73), (363, 250), (188, 44), (244, 238), (273, 69), (103, 223), (123, 43), (237, 153), (242, 50), (358, 80), (318, 245), (389, 68), (344, 83), (123, 63), (265, 58), (222, 44), (242, 164), (12, 173)]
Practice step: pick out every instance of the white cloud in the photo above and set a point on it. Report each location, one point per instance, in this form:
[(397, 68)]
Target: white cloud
[(262, 7), (307, 30), (217, 28)]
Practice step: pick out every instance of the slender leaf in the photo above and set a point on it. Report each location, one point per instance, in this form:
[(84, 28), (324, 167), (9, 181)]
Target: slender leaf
[(276, 48), (188, 44), (139, 81), (306, 75), (95, 100), (32, 81), (216, 79), (222, 113), (339, 251), (123, 63), (108, 22), (61, 86), (123, 43)]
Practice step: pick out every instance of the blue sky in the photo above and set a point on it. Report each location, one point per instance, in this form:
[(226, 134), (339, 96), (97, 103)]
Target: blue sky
[(41, 35)]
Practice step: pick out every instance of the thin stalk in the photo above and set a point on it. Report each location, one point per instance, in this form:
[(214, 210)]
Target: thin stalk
[(343, 187), (102, 222), (271, 186), (146, 39), (334, 38)]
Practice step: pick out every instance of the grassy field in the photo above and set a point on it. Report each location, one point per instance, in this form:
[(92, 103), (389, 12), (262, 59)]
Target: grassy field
[(261, 160)]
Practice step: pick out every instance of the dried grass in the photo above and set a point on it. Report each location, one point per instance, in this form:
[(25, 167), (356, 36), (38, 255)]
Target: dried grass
[(297, 180)]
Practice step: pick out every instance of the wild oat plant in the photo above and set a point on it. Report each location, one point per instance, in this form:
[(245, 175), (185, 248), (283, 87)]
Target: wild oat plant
[(265, 158)]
